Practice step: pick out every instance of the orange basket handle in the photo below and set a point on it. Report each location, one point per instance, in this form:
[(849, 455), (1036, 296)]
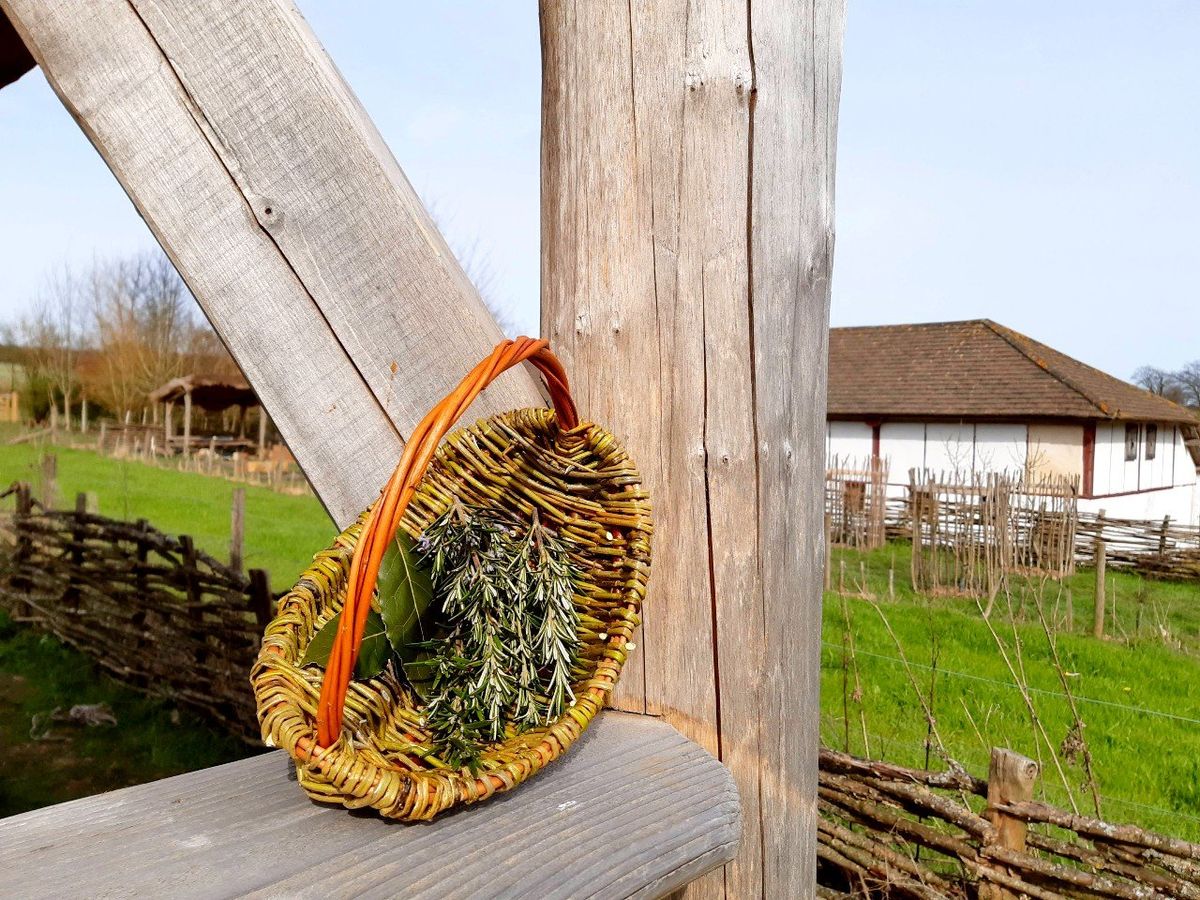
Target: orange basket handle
[(385, 515)]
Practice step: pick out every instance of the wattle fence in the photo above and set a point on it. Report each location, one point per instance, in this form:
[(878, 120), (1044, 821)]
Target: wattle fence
[(150, 608), (891, 831)]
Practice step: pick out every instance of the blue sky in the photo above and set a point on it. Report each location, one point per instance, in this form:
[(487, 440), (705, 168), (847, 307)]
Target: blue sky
[(1033, 163)]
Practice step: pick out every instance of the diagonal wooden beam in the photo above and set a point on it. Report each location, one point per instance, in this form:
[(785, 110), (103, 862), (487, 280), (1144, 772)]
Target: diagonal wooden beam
[(274, 195), (15, 59)]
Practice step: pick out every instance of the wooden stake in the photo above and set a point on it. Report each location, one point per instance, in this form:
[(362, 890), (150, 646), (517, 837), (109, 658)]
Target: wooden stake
[(1011, 779), (237, 525), (1098, 616)]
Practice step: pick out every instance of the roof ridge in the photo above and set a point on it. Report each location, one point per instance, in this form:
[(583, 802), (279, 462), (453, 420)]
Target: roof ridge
[(1004, 333)]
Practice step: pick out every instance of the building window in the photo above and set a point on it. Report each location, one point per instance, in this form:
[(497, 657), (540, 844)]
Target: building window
[(1131, 442), (1151, 441)]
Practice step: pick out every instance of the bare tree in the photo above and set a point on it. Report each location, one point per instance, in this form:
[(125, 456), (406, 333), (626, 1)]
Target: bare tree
[(1187, 382), (1153, 379), (148, 331), (52, 334)]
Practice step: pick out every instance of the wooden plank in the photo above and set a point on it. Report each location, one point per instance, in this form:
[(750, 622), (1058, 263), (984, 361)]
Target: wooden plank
[(634, 810), (687, 242), (265, 182)]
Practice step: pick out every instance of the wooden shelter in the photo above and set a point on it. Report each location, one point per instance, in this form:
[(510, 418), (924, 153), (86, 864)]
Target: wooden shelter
[(210, 394), (687, 217)]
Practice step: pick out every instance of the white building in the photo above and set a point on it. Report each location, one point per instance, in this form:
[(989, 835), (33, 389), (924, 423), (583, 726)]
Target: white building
[(978, 397)]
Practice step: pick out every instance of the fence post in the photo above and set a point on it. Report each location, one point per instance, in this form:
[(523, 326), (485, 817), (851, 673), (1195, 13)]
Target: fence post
[(143, 556), (237, 528), (261, 602), (189, 575), (1011, 778), (1162, 537), (103, 435), (1098, 616), (71, 597), (49, 481), (24, 510)]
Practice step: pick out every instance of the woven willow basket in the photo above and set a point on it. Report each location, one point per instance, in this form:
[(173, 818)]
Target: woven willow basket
[(362, 744)]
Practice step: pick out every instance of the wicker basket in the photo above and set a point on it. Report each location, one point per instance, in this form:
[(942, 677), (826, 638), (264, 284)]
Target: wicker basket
[(361, 744)]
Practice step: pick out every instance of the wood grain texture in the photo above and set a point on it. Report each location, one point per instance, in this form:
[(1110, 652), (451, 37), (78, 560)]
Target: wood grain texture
[(267, 184), (634, 810), (688, 164)]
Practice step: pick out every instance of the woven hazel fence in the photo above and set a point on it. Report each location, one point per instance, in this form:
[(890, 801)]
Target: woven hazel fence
[(1164, 549), (154, 611), (890, 831), (856, 502), (969, 534)]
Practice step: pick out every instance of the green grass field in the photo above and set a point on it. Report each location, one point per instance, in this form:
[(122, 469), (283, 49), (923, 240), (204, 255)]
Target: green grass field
[(1138, 697), (282, 531), (1138, 693)]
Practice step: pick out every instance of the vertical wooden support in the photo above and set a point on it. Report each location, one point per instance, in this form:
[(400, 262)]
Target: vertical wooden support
[(187, 424), (1011, 779), (237, 529), (83, 415), (168, 415), (262, 432), (143, 556), (687, 225), (1101, 554), (24, 550), (77, 535)]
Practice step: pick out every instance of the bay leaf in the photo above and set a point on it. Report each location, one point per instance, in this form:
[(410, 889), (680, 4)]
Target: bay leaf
[(405, 595), (372, 655)]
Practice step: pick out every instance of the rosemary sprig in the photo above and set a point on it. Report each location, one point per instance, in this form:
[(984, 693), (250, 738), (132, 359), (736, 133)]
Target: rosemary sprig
[(512, 627)]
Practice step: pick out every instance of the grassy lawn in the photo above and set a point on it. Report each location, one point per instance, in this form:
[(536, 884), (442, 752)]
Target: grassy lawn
[(1137, 694), (282, 531), (151, 739)]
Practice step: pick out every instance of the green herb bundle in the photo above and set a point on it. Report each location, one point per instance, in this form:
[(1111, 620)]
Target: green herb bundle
[(501, 598), (512, 629)]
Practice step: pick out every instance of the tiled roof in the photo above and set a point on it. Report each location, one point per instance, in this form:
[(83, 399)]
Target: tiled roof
[(975, 369)]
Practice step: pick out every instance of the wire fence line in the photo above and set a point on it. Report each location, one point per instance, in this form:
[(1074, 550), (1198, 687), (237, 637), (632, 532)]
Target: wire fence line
[(1142, 710)]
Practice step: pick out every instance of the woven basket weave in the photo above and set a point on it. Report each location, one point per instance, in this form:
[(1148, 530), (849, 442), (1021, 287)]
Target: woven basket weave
[(370, 749)]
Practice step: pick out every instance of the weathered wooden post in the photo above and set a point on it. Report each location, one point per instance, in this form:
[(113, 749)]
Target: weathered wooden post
[(687, 236), (237, 528), (187, 423), (78, 533), (20, 578), (1098, 612), (1011, 779)]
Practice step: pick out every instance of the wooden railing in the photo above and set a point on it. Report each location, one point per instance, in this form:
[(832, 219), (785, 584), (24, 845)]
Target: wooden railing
[(150, 608)]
